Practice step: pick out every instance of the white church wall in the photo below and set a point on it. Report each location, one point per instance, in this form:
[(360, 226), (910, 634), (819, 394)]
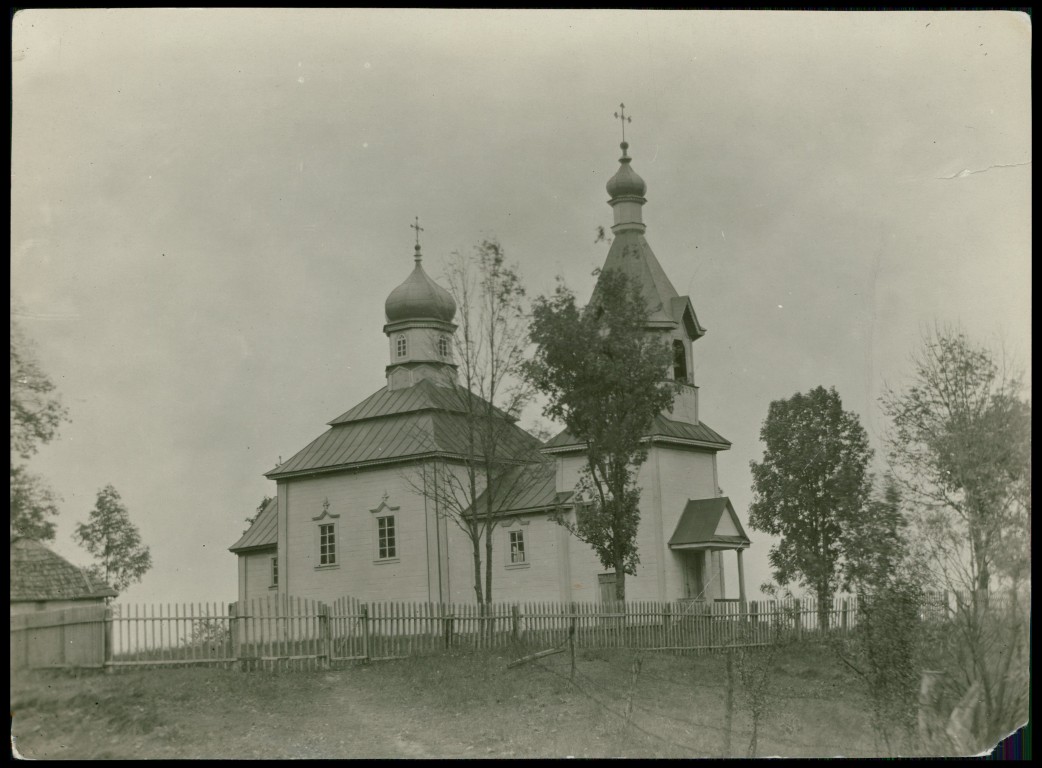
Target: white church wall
[(358, 571), (682, 475), (255, 575)]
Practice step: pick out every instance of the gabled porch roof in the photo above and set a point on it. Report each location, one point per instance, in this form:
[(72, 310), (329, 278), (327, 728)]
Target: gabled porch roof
[(709, 524)]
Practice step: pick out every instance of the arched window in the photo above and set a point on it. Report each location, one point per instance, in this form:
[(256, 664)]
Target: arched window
[(401, 345), (679, 362), (443, 346)]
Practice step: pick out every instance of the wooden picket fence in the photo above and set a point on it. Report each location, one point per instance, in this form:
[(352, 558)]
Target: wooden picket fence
[(293, 633)]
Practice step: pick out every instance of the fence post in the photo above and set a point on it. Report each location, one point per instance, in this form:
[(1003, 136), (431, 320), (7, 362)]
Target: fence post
[(844, 615), (515, 622), (571, 643), (325, 638), (447, 621), (106, 654), (365, 630)]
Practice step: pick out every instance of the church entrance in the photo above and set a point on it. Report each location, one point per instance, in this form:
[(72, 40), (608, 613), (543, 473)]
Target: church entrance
[(694, 562)]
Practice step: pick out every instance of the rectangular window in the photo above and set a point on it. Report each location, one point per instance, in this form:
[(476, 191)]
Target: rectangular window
[(385, 537), (326, 545), (274, 571), (517, 546)]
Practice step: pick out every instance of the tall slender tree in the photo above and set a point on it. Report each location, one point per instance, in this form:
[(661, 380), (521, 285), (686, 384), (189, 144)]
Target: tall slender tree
[(114, 541), (36, 415), (604, 376), (959, 440), (472, 490), (812, 486)]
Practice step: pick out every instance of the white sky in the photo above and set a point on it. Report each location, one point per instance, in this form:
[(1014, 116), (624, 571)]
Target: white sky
[(209, 208)]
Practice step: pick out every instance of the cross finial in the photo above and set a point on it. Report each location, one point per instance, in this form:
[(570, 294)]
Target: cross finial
[(621, 115), (416, 225)]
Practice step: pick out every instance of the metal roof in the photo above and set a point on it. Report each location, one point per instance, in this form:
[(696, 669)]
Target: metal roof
[(700, 520), (401, 425), (529, 487), (263, 533), (662, 429), (39, 574), (631, 254), (424, 395)]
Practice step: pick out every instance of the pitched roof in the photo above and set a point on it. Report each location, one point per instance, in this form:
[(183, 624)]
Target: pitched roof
[(528, 488), (263, 533), (400, 425), (662, 430), (631, 254), (700, 522), (38, 574)]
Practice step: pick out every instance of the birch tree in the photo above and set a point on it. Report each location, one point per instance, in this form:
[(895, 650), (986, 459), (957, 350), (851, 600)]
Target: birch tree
[(471, 491)]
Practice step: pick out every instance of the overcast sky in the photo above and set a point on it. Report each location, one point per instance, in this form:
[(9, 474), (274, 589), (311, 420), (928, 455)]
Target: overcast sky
[(209, 208)]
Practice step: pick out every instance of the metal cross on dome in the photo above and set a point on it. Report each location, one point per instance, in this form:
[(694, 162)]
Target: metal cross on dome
[(621, 116), (418, 228)]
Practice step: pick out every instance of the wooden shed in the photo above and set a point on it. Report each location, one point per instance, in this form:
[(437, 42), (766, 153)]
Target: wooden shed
[(44, 581)]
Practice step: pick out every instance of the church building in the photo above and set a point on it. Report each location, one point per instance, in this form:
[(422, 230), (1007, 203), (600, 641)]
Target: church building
[(347, 519)]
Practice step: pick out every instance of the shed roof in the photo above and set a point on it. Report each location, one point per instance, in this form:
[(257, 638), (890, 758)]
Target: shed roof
[(263, 532), (528, 488), (662, 429), (403, 424), (700, 521), (39, 574)]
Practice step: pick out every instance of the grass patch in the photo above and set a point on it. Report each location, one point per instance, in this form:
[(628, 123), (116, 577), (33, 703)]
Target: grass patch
[(456, 704)]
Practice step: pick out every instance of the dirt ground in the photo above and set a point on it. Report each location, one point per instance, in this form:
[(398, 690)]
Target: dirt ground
[(443, 706)]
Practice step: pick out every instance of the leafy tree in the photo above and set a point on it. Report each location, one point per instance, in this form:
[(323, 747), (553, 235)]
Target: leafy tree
[(121, 558), (32, 503), (810, 489), (960, 442), (36, 414), (473, 490), (874, 546), (260, 508), (605, 379)]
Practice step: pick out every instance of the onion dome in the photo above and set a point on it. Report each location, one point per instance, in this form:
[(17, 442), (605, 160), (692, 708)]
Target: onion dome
[(626, 182), (419, 298)]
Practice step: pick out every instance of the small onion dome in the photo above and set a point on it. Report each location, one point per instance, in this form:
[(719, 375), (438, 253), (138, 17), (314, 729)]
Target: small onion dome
[(626, 182), (419, 298)]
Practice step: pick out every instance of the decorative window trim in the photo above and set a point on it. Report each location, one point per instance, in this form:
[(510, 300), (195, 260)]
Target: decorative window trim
[(336, 545), (273, 573), (383, 505), (401, 346), (326, 512)]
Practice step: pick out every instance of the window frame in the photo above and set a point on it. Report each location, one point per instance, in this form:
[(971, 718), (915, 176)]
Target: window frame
[(443, 346), (401, 345), (331, 555), (386, 546), (273, 573), (516, 545)]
